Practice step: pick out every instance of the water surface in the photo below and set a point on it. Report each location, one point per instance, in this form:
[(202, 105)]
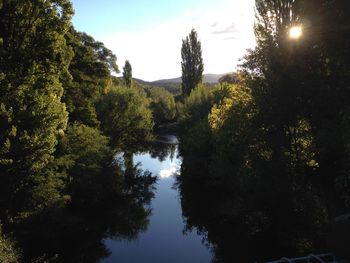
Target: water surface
[(164, 240)]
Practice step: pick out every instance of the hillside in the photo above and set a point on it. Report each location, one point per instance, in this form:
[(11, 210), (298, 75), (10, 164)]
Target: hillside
[(174, 85), (207, 78)]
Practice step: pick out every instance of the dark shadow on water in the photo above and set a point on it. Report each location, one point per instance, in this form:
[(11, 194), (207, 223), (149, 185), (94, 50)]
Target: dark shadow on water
[(76, 233), (244, 225)]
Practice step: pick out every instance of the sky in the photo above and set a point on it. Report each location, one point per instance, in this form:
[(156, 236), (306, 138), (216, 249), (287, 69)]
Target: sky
[(149, 33)]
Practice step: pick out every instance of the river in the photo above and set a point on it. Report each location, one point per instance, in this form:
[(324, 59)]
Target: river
[(164, 240)]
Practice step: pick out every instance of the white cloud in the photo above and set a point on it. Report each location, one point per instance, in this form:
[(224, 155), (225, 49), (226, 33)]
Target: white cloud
[(230, 29), (155, 53), (169, 171)]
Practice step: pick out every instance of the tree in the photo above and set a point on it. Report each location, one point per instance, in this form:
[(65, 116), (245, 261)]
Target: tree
[(305, 81), (34, 58), (195, 106), (91, 70), (162, 105), (126, 118), (127, 74), (84, 158), (192, 63)]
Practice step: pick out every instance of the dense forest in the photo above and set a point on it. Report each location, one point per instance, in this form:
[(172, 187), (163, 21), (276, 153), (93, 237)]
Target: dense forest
[(266, 159), (64, 115), (265, 153)]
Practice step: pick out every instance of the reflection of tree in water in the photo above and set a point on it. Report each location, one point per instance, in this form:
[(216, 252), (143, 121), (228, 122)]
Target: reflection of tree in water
[(75, 234), (161, 150), (138, 183), (251, 222)]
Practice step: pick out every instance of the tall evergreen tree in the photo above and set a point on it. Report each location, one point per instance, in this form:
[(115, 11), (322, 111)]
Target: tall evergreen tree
[(34, 58), (127, 74), (192, 63)]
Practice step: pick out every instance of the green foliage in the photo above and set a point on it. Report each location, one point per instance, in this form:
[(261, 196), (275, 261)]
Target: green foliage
[(104, 201), (250, 188), (236, 101), (278, 137), (84, 158), (55, 177), (125, 118), (162, 105), (269, 145), (195, 107), (8, 252), (302, 82), (173, 88), (127, 74), (198, 140), (32, 113), (192, 63), (91, 70)]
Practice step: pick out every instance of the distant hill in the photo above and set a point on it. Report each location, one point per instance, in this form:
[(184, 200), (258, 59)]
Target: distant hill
[(207, 78), (212, 78), (174, 85), (140, 81), (174, 80)]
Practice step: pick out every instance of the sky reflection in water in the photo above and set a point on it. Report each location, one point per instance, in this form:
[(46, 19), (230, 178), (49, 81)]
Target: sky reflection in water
[(164, 240)]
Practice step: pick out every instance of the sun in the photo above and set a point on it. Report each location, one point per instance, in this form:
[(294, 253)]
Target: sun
[(295, 32)]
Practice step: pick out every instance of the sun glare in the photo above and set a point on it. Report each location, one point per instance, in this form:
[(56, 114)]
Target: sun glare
[(295, 32)]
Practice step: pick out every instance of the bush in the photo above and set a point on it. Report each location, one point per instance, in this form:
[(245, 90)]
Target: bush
[(8, 251)]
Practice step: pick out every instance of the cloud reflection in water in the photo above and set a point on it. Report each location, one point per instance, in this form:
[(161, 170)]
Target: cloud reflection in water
[(171, 170)]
